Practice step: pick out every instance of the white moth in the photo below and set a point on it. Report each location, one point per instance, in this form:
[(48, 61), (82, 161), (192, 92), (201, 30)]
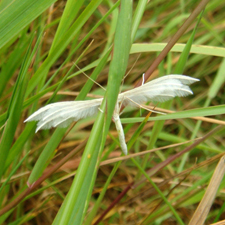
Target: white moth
[(61, 114)]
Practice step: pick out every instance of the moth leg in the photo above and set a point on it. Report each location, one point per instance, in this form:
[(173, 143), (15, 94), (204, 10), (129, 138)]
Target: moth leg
[(143, 79), (100, 110)]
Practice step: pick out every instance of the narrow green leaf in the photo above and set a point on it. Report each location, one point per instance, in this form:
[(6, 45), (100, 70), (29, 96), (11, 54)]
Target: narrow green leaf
[(87, 170), (13, 171), (63, 43), (138, 14), (218, 81), (49, 149), (158, 126), (18, 15), (46, 155), (197, 49), (11, 64), (17, 148), (85, 174), (209, 111), (185, 53), (159, 192), (14, 112), (119, 61), (137, 132), (69, 14)]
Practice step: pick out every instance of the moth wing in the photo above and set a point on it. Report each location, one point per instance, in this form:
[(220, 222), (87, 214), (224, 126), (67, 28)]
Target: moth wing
[(159, 90), (62, 114)]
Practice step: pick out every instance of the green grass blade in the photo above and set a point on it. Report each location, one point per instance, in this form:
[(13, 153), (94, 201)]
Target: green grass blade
[(10, 65), (138, 14), (13, 172), (209, 111), (158, 126), (46, 155), (185, 54), (119, 61), (217, 82), (17, 147), (69, 14), (197, 49), (101, 196), (18, 15), (115, 168), (159, 192), (86, 171), (49, 149), (137, 132), (88, 85), (61, 46), (13, 114)]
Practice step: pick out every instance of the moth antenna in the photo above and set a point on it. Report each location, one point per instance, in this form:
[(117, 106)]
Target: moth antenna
[(129, 72), (131, 68), (89, 77)]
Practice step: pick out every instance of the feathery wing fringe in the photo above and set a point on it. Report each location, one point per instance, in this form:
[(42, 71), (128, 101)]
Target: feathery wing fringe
[(63, 113), (159, 90)]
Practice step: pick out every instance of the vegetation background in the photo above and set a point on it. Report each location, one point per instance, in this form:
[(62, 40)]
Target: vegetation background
[(77, 175)]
